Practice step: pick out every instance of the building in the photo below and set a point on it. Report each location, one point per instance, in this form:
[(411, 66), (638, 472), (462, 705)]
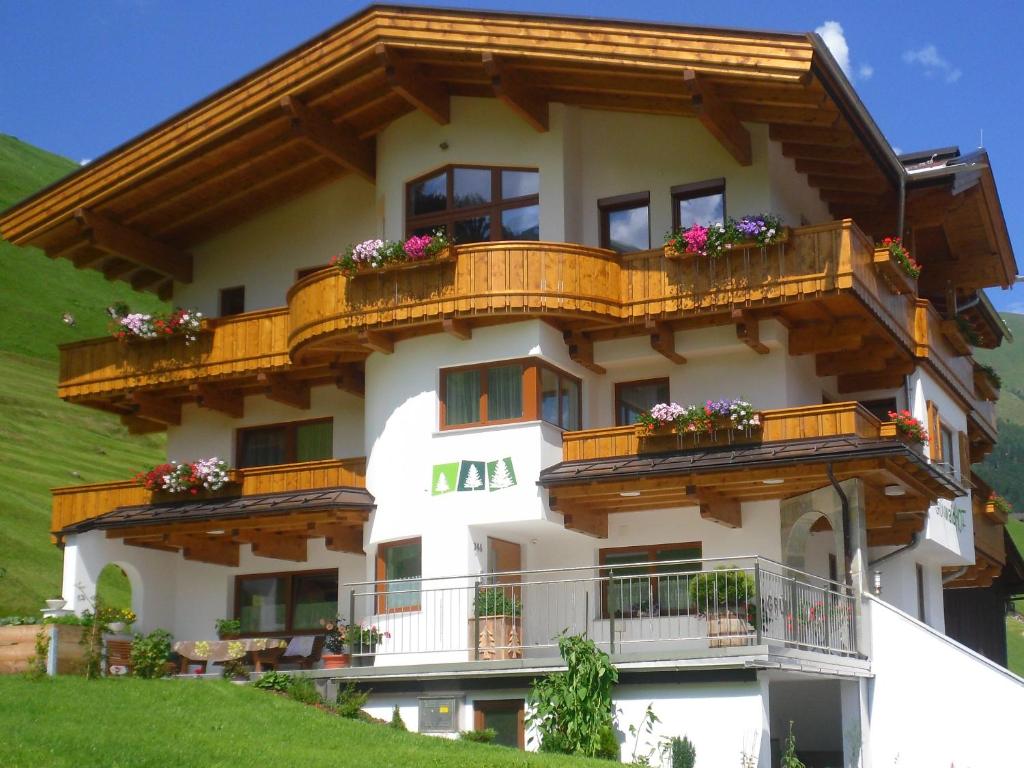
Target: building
[(419, 438)]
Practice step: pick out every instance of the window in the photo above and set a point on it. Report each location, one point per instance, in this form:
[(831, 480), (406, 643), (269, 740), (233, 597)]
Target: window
[(286, 603), (285, 443), (476, 204), (947, 455), (634, 397), (506, 717), (399, 567), (880, 409), (701, 203), (625, 225), (920, 592), (509, 391), (639, 590), (232, 301)]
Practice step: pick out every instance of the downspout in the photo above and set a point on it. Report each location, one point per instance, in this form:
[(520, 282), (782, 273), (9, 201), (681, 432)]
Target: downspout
[(955, 575), (902, 209), (914, 544), (844, 504)]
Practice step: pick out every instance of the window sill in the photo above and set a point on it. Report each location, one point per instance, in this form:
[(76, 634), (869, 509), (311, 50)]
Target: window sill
[(474, 428)]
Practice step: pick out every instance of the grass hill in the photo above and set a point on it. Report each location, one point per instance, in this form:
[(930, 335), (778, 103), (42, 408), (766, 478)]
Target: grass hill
[(43, 441)]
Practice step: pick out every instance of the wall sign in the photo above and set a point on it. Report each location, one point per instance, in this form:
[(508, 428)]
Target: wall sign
[(467, 476)]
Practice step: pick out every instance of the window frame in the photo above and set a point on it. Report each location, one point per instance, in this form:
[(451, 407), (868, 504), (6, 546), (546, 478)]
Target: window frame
[(621, 385), (608, 205), (233, 290), (531, 390), (289, 577), (694, 190), (651, 550), (494, 208), (291, 440), (380, 573)]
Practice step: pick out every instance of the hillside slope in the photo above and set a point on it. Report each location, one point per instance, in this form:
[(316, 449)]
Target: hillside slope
[(43, 441)]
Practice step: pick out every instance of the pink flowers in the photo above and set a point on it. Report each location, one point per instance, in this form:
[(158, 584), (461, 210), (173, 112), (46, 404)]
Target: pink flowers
[(416, 247), (696, 238), (206, 474)]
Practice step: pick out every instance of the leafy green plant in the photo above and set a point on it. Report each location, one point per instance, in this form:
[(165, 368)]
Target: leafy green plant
[(37, 663), (789, 758), (483, 736), (991, 374), (396, 720), (228, 628), (92, 649), (684, 755), (19, 621), (303, 690), (723, 588), (234, 669), (569, 709), (646, 726), (150, 653), (350, 700), (495, 601), (275, 681)]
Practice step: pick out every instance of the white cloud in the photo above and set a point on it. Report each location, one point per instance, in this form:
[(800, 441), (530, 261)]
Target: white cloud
[(831, 32), (85, 161), (932, 63), (897, 150)]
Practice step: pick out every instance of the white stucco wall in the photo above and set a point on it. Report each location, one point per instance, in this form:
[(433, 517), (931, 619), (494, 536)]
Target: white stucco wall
[(933, 702), (791, 196)]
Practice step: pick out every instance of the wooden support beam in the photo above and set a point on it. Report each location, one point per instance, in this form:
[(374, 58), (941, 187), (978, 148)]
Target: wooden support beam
[(282, 390), (890, 378), (515, 93), (116, 268), (215, 551), (581, 350), (663, 341), (589, 524), (337, 142), (717, 508), (342, 538), (280, 546), (145, 278), (137, 426), (165, 290), (378, 341), (748, 330), (113, 238), (812, 167), (350, 379), (158, 544), (873, 356), (157, 409), (715, 115), (431, 98), (229, 403), (460, 329), (843, 335)]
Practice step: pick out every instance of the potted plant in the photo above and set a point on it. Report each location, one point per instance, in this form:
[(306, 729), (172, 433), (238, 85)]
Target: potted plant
[(336, 653), (716, 239), (896, 266), (377, 255), (116, 620), (725, 597), (908, 429), (229, 629), (171, 480), (362, 643), (55, 603), (126, 325), (496, 628)]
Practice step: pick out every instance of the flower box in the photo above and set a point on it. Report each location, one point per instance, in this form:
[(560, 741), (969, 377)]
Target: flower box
[(229, 489), (727, 630), (984, 386), (782, 237), (952, 333), (447, 255), (500, 638), (893, 275), (889, 429)]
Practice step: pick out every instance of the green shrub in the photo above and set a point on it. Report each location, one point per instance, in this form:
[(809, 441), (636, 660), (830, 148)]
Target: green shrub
[(150, 653), (485, 736), (274, 681), (303, 690), (724, 587), (494, 601), (683, 753), (233, 669), (609, 745), (228, 628), (19, 621), (396, 720), (789, 758), (350, 700)]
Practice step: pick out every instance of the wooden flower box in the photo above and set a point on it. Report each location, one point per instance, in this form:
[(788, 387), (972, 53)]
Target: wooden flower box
[(984, 387), (892, 274), (951, 331), (722, 434), (447, 255), (18, 647), (727, 630), (229, 489), (889, 429), (672, 253), (501, 637)]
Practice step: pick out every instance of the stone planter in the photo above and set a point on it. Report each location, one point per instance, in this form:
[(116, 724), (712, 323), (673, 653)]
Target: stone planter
[(727, 630), (55, 604), (117, 627), (892, 274), (500, 637), (336, 660)]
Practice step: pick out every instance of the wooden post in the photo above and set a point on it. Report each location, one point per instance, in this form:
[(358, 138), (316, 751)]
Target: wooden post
[(476, 621)]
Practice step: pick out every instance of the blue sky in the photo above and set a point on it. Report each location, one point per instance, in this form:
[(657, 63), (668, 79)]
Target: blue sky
[(80, 78)]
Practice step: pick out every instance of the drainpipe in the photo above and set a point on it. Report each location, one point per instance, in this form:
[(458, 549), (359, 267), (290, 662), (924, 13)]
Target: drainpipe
[(844, 503), (914, 544), (955, 575), (902, 210)]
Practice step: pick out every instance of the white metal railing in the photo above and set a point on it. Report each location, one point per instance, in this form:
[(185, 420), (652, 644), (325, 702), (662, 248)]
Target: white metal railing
[(678, 605)]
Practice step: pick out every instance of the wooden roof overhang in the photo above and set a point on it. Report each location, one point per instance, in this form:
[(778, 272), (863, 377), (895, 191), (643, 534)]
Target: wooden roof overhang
[(276, 525), (312, 115), (718, 479)]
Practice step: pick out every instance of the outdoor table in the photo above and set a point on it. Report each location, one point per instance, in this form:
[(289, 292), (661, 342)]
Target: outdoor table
[(259, 649)]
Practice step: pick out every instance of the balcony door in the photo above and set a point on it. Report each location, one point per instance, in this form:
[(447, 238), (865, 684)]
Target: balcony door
[(505, 557)]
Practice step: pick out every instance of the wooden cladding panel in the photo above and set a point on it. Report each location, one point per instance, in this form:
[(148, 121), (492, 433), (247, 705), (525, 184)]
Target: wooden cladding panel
[(73, 504), (814, 421), (933, 345)]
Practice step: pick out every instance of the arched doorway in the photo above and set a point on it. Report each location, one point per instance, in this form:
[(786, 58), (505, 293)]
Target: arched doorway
[(113, 587)]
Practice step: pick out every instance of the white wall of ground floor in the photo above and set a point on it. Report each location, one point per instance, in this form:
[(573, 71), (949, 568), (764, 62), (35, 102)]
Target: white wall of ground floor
[(934, 702)]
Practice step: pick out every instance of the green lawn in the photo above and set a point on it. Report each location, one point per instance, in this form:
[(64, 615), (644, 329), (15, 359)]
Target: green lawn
[(1015, 646), (70, 721)]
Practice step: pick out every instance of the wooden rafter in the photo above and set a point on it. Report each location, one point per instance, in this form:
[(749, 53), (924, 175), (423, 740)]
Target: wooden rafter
[(378, 341), (134, 247), (286, 391), (337, 142), (515, 93), (718, 117), (581, 350), (157, 409), (748, 330), (342, 538), (663, 341), (280, 546), (460, 329), (426, 95), (230, 403)]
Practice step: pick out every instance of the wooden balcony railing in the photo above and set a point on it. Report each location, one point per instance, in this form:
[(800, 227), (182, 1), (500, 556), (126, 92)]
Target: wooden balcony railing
[(75, 503), (813, 421)]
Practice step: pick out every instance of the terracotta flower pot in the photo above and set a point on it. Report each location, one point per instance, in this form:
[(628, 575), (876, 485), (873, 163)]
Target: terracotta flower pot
[(336, 660)]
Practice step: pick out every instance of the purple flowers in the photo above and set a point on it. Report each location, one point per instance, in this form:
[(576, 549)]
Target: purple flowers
[(376, 253), (714, 240)]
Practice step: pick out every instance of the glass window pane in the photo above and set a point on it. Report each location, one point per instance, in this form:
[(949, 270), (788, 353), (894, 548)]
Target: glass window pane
[(703, 210), (634, 398), (402, 570), (429, 195), (476, 230), (521, 223), (314, 597), (462, 397), (471, 186), (570, 403), (549, 395), (262, 604), (505, 392), (314, 441), (262, 447), (628, 230), (630, 594), (519, 183)]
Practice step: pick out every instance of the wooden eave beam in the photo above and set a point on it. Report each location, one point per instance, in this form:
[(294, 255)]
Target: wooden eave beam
[(748, 330), (160, 410), (336, 142), (587, 523), (513, 91), (280, 546), (342, 538), (113, 238), (138, 426), (717, 508), (207, 550), (663, 341), (227, 402), (460, 329), (282, 390), (378, 341), (349, 379), (581, 350), (430, 98), (719, 119)]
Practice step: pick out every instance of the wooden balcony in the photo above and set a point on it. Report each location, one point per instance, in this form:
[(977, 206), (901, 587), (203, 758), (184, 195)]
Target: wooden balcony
[(78, 503)]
